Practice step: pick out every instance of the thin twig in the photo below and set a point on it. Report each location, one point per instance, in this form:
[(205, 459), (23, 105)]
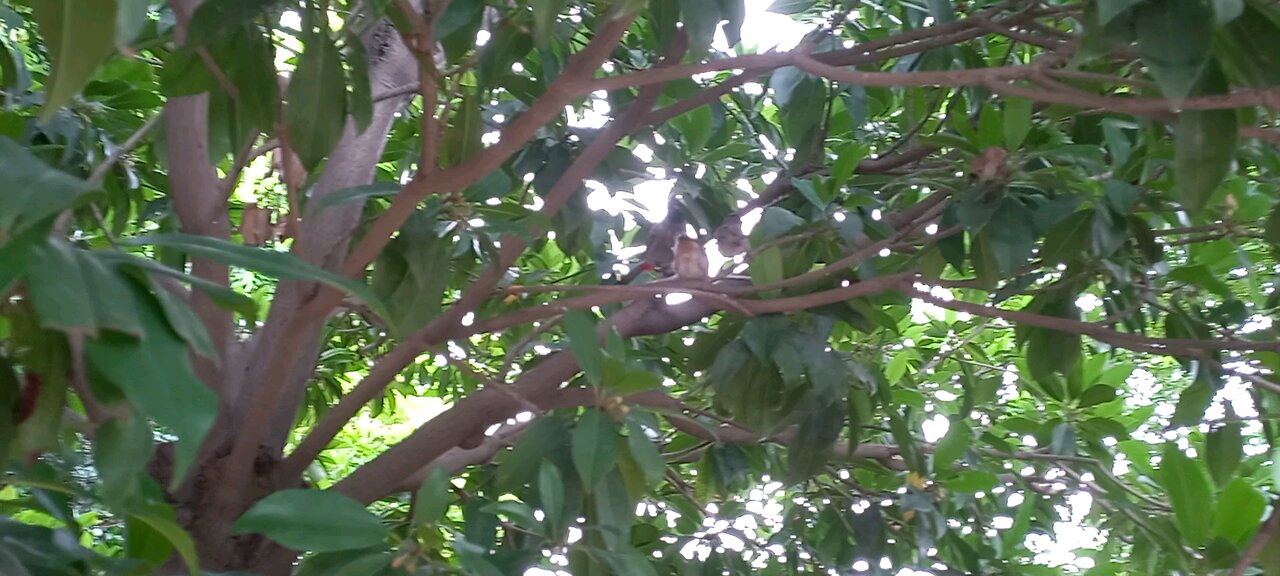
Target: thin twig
[(124, 148)]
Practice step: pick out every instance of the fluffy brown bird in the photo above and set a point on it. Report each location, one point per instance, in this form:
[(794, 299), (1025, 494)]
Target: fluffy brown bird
[(729, 237), (691, 259)]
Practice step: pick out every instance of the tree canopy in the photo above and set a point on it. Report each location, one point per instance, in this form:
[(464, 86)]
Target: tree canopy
[(371, 287)]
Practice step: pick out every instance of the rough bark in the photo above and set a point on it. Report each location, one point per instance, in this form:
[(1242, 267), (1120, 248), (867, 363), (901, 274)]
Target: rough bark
[(327, 234)]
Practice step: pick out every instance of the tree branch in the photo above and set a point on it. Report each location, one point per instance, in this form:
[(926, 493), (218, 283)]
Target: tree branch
[(1099, 332)]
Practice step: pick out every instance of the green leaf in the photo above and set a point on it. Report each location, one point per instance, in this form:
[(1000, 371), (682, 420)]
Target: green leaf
[(360, 97), (767, 266), (360, 193), (790, 6), (314, 116), (971, 481), (155, 374), (284, 266), (1189, 494), (545, 13), (1205, 145), (1271, 232), (1097, 394), (1224, 11), (313, 521), (952, 446), (217, 19), (847, 159), (1174, 39), (1017, 122), (821, 420), (224, 297), (1067, 238), (1240, 507), (1223, 450), (33, 191), (253, 73), (1109, 9), (161, 520), (131, 18), (433, 498), (10, 396), (700, 19), (580, 327), (645, 452), (1012, 237), (520, 464), (462, 139), (79, 36), (595, 445), (75, 293), (632, 382), (1242, 47), (551, 494), (121, 451), (734, 13)]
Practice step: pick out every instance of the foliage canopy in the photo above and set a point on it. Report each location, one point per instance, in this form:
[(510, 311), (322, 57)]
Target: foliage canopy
[(339, 282)]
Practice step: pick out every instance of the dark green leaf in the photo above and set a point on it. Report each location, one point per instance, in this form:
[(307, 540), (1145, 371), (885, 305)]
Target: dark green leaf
[(545, 13), (1109, 9), (595, 445), (632, 382), (1272, 230), (1205, 147), (361, 96), (314, 116), (520, 464), (952, 446), (121, 450), (1012, 238), (1223, 449), (1067, 238), (217, 19), (161, 520), (580, 327), (75, 293), (33, 190), (1189, 493), (645, 452), (313, 521), (433, 497), (551, 494), (155, 374), (1241, 46), (1017, 122), (355, 193), (700, 20), (462, 139), (278, 264), (1097, 394), (1175, 38), (1240, 507), (821, 420)]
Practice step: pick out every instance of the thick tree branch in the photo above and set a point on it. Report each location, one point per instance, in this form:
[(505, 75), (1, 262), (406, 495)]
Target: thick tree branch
[(201, 210), (580, 68), (486, 407), (440, 329)]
